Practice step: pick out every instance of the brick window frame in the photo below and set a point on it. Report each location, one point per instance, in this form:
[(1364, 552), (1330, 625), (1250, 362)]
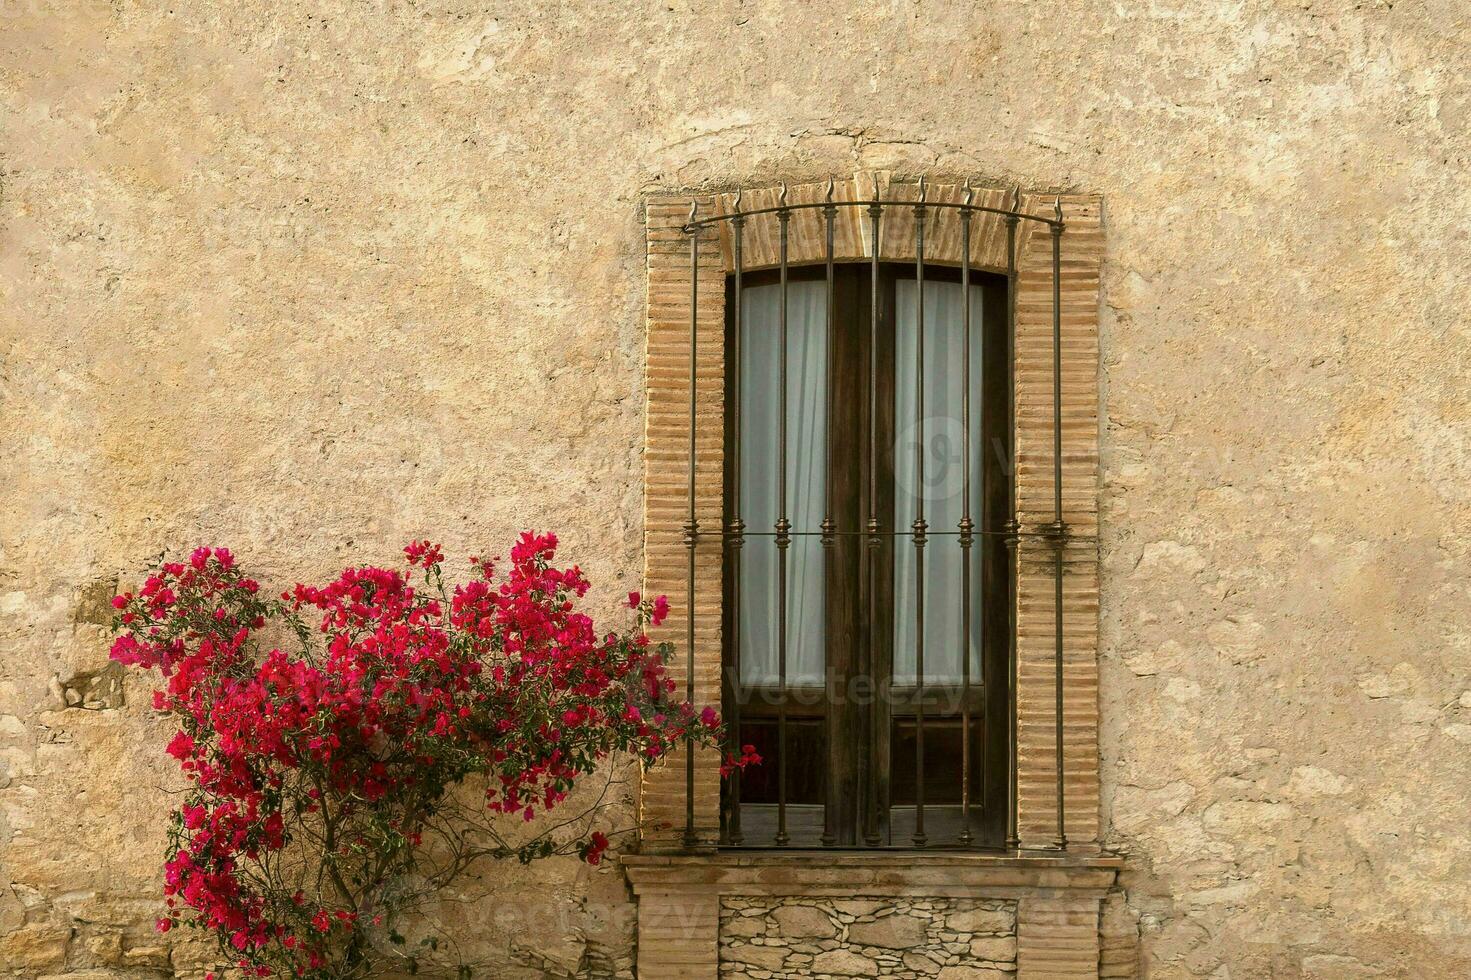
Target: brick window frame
[(1061, 892), (662, 796)]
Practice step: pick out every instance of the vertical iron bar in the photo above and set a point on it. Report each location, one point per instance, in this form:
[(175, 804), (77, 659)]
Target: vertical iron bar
[(1059, 530), (919, 526), (691, 532), (1013, 839), (829, 838), (878, 690), (967, 527), (736, 533), (783, 541)]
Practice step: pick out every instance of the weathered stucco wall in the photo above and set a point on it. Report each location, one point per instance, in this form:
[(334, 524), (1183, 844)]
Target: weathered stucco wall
[(309, 279)]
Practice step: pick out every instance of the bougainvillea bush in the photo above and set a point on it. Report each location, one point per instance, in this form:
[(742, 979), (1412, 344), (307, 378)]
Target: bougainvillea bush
[(331, 736)]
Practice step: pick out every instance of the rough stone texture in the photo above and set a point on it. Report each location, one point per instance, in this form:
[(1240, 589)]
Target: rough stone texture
[(916, 938), (802, 922), (310, 279)]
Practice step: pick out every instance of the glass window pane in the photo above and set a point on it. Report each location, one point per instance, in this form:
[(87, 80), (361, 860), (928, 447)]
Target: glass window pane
[(760, 381), (944, 748), (806, 764), (943, 486)]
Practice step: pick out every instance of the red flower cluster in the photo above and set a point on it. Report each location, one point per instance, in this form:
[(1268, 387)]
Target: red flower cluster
[(748, 757), (314, 773)]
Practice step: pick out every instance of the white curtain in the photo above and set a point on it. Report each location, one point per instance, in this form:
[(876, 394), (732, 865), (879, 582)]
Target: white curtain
[(943, 486), (760, 381)]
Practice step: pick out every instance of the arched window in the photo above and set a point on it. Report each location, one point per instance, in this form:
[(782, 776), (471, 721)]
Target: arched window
[(872, 460), (860, 455)]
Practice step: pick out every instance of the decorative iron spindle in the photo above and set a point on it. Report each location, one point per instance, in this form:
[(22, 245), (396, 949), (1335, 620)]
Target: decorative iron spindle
[(735, 532), (919, 526), (783, 543), (829, 526), (1011, 540), (691, 530), (878, 715), (1059, 529), (967, 526)]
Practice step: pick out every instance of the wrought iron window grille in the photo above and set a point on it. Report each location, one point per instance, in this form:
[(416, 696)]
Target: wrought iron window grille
[(734, 533)]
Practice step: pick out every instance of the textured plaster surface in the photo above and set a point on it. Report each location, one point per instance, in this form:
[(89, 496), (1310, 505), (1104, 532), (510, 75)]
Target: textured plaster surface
[(306, 280)]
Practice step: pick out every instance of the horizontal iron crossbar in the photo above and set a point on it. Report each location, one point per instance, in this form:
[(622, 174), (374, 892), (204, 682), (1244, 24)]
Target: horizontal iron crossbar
[(716, 219)]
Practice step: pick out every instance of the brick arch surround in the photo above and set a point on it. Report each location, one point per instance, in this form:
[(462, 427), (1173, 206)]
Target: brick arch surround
[(852, 238), (666, 509)]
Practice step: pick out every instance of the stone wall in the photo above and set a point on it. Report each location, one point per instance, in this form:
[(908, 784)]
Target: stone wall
[(910, 938), (307, 280)]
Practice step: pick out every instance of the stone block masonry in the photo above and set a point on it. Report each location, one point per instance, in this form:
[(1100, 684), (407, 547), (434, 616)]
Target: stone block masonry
[(766, 938)]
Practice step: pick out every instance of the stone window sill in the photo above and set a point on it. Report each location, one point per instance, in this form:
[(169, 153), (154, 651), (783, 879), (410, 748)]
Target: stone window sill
[(817, 872), (682, 901)]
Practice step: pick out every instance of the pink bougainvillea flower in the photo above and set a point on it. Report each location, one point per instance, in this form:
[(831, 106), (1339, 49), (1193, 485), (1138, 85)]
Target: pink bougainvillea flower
[(339, 751)]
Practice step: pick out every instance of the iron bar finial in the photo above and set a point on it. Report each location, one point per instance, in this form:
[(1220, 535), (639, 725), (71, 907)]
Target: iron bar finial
[(875, 185), (737, 203), (922, 192), (970, 193), (1016, 198), (694, 206), (831, 187), (1057, 208), (782, 200)]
